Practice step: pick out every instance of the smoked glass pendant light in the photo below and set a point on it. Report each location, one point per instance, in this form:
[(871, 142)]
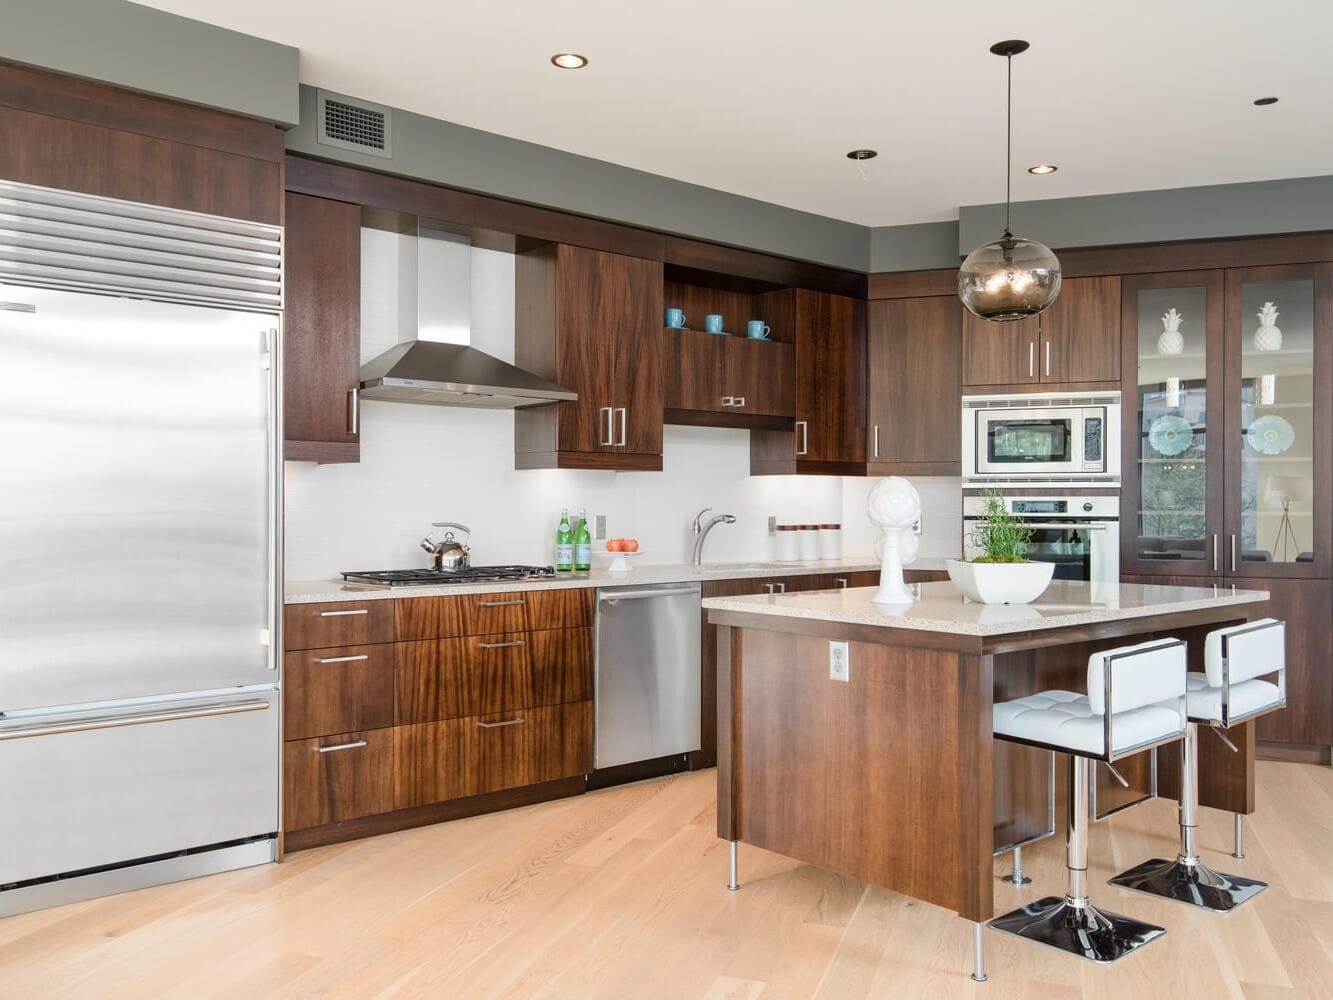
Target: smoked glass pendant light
[(1012, 277)]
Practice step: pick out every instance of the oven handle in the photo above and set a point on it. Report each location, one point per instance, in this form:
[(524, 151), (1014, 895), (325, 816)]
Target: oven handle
[(1078, 526)]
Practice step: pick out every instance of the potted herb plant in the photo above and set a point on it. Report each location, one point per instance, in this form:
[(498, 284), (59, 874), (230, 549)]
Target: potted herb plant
[(1001, 573)]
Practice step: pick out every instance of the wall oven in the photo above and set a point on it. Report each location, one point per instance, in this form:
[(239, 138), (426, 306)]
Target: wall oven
[(1079, 533), (1042, 438)]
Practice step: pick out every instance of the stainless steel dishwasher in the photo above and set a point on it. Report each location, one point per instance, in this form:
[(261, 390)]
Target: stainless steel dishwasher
[(647, 672)]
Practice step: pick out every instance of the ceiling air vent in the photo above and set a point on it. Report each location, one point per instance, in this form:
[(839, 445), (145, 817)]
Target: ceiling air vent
[(353, 124)]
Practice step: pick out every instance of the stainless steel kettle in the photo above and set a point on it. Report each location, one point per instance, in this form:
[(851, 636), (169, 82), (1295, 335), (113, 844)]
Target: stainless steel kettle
[(448, 555)]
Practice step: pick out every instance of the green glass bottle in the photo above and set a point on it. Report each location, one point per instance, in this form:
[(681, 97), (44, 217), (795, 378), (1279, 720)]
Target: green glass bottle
[(564, 544), (582, 545)]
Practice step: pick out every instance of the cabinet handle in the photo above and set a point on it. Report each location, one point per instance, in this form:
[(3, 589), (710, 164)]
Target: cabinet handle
[(354, 745), (728, 400), (740, 401), (1032, 359), (500, 604), (343, 614), (782, 587), (1217, 559), (876, 440), (804, 428), (1048, 358), (354, 410), (841, 581), (624, 422), (609, 438), (1233, 553), (499, 645), (498, 725), (769, 587), (341, 659)]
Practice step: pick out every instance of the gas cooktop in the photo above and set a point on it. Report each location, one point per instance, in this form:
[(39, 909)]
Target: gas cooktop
[(436, 577)]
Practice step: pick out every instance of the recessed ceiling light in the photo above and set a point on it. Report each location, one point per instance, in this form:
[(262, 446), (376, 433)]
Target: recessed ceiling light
[(1264, 102), (569, 60), (862, 154), (1043, 168)]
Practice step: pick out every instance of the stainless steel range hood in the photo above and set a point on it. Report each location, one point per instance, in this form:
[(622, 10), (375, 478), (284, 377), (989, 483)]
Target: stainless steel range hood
[(438, 366)]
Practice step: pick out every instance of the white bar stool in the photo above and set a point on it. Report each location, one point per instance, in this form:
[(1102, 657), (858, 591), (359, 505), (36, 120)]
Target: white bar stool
[(1228, 693), (1135, 701)]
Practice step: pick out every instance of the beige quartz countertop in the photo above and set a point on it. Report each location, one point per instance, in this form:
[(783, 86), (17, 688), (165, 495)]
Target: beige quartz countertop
[(940, 608), (318, 591)]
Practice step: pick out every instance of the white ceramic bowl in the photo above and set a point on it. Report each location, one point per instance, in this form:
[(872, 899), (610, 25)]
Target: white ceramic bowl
[(1001, 583)]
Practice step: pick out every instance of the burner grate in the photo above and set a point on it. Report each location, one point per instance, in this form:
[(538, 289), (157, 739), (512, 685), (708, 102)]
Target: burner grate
[(434, 577)]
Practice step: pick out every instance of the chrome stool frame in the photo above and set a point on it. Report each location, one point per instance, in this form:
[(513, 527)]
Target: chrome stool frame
[(1187, 879), (1071, 922)]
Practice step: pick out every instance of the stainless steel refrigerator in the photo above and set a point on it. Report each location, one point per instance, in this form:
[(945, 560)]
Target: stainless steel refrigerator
[(140, 723)]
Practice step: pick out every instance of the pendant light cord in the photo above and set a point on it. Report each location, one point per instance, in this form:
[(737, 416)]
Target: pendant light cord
[(1008, 143)]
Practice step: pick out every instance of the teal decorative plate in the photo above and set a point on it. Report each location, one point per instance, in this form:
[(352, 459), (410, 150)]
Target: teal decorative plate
[(1170, 434), (1270, 435)]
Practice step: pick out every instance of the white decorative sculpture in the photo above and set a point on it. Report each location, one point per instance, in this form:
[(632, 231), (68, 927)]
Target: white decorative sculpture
[(1268, 337), (893, 505), (1171, 340)]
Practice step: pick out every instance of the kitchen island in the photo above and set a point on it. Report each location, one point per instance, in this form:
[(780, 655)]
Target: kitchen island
[(890, 775)]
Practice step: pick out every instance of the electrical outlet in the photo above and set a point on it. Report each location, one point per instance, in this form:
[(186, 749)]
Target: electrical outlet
[(599, 524), (916, 526), (839, 661)]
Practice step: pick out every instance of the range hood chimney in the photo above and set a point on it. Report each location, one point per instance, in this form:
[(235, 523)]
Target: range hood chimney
[(439, 366)]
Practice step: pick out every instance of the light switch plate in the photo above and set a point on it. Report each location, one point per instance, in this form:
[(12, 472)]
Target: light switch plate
[(839, 661), (599, 523)]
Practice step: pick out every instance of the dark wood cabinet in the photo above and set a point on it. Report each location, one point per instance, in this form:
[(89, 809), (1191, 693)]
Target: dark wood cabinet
[(829, 435), (1075, 341), (591, 321), (333, 779), (337, 690), (322, 330), (913, 360), (731, 376)]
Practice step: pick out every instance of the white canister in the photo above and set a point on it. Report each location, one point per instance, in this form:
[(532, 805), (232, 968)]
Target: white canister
[(830, 541), (807, 542), (788, 549)]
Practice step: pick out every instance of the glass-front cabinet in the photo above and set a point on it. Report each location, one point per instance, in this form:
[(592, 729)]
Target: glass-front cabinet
[(1231, 424)]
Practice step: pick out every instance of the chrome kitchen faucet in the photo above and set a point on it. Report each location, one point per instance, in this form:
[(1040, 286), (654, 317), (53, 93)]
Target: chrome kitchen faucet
[(701, 531)]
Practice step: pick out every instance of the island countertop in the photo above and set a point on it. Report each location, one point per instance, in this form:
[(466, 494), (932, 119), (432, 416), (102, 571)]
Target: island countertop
[(940, 608)]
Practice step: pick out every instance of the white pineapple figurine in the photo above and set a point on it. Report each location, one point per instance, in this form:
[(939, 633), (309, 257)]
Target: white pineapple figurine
[(1268, 337), (1171, 341)]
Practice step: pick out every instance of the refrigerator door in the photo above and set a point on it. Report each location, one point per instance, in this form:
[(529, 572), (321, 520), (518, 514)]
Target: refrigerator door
[(136, 520), (106, 787)]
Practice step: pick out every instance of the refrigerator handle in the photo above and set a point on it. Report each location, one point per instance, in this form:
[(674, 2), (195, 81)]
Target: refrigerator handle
[(272, 634), (140, 719)]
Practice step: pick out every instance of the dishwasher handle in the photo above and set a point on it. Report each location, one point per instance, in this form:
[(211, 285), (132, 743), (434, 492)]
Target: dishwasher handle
[(610, 597)]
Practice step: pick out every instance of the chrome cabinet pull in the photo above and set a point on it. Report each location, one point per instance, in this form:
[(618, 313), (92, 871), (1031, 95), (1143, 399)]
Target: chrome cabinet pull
[(1217, 558), (607, 437), (342, 659), (354, 410), (499, 645), (804, 428), (499, 725), (876, 440), (500, 604), (1032, 359), (728, 400), (1233, 553), (1048, 358), (782, 587), (624, 422), (740, 401), (841, 581), (354, 745), (344, 614), (769, 587)]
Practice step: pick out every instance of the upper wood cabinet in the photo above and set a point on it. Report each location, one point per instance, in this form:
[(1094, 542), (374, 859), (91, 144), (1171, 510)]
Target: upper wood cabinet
[(829, 435), (731, 377), (1076, 340), (913, 359), (322, 330), (591, 321)]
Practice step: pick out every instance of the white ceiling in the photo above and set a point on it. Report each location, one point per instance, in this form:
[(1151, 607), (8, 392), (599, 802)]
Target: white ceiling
[(765, 98)]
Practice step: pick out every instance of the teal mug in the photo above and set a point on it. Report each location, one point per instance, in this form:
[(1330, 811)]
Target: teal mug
[(757, 329), (713, 323), (675, 319)]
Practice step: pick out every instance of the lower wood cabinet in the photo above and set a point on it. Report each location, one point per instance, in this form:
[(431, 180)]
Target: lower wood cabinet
[(336, 778), (337, 690), (457, 758)]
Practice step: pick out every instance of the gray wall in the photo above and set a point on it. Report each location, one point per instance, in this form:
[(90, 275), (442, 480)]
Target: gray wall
[(1221, 210), (921, 247), (434, 150), (155, 52)]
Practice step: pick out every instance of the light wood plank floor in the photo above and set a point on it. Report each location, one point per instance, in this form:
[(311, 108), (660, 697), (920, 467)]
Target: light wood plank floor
[(620, 895)]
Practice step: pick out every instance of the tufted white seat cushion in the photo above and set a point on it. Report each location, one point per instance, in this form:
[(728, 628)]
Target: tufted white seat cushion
[(1065, 719), (1205, 701), (1254, 649)]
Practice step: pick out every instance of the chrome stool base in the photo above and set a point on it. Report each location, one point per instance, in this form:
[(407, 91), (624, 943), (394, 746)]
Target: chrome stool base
[(1082, 930), (1196, 884)]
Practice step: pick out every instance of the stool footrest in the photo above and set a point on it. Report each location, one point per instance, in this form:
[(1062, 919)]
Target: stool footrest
[(1196, 884), (1082, 930)]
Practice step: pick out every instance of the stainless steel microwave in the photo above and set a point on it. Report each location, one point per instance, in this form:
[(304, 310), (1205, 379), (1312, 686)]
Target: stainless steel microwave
[(1041, 438)]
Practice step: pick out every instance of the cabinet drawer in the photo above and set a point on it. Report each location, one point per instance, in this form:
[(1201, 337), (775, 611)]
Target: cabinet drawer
[(337, 623), (492, 614), (487, 753), (473, 675), (337, 690), (335, 778)]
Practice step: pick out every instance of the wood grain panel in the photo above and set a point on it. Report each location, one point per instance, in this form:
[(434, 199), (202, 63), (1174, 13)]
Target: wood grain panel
[(1082, 329), (322, 788), (1307, 608), (912, 284), (492, 614), (1000, 353), (479, 675), (321, 328), (695, 371), (337, 690), (337, 623), (913, 364), (436, 761), (630, 322), (699, 301), (763, 374)]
